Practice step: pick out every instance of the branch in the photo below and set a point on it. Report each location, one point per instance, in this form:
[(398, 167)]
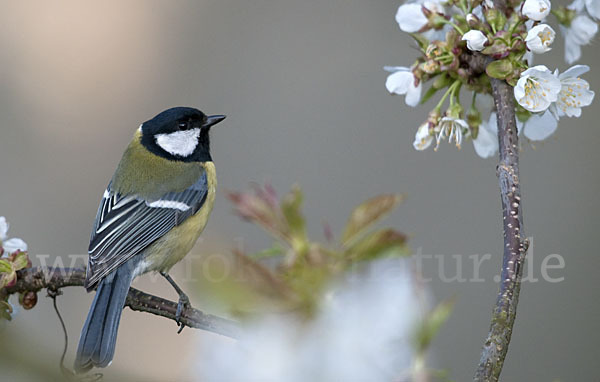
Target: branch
[(503, 317), (38, 278)]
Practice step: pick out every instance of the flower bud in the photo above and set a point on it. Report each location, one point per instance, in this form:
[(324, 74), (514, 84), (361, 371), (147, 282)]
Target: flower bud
[(28, 300), (475, 40)]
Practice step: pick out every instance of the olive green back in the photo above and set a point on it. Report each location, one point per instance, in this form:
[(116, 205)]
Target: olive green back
[(143, 173)]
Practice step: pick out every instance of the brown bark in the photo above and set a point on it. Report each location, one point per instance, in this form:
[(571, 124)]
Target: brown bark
[(496, 344), (38, 278)]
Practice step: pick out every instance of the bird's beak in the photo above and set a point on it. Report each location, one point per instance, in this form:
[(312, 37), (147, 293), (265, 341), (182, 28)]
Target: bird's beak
[(212, 120)]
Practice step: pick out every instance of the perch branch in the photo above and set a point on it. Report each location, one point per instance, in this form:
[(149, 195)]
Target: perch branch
[(504, 313), (38, 278)]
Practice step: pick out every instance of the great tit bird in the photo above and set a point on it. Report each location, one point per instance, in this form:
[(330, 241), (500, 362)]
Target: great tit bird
[(150, 216)]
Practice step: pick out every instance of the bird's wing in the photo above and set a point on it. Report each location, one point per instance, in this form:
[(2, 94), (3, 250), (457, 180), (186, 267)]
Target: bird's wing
[(126, 225)]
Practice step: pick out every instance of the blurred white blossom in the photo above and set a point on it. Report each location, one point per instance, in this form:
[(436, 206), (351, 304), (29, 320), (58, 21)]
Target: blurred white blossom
[(539, 126), (10, 245), (539, 38), (580, 32), (486, 143), (3, 228), (363, 332), (475, 40), (537, 88), (403, 82), (592, 7), (574, 93)]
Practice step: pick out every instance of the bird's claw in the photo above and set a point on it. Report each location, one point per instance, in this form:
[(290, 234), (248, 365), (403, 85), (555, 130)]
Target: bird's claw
[(182, 304)]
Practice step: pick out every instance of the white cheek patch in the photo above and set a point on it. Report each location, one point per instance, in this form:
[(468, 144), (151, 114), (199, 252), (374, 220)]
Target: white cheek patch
[(182, 143)]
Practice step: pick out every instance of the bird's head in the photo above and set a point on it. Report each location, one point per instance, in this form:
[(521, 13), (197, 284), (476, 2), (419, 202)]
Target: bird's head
[(180, 133)]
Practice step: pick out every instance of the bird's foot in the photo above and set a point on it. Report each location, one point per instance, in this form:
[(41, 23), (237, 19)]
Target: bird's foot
[(182, 304)]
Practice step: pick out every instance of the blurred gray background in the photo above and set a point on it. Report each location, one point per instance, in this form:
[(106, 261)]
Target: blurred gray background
[(303, 88)]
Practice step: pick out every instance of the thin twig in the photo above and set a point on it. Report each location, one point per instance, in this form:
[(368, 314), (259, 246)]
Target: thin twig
[(504, 313), (38, 278)]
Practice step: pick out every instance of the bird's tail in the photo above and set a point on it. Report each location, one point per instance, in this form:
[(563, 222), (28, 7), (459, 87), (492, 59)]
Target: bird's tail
[(99, 333)]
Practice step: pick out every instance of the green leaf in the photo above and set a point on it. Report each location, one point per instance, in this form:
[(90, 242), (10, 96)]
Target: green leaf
[(512, 80), (5, 310), (5, 266), (290, 207), (495, 18), (21, 260), (368, 213), (261, 210), (432, 324), (275, 250), (499, 69), (378, 244), (498, 49)]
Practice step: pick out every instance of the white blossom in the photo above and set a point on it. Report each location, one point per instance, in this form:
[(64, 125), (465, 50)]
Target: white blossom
[(486, 143), (423, 138), (10, 245), (537, 88), (475, 40), (592, 7), (539, 126), (410, 17), (574, 93), (539, 38), (536, 9), (333, 346), (451, 128), (402, 81), (580, 32), (488, 3)]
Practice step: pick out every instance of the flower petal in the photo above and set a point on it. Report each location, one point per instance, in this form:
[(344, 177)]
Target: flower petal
[(583, 29), (540, 126), (413, 95), (593, 8), (422, 138), (486, 143), (574, 71), (394, 69), (572, 49), (399, 82), (410, 18)]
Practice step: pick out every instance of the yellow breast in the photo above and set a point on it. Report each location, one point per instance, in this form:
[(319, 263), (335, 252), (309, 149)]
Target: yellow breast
[(173, 246)]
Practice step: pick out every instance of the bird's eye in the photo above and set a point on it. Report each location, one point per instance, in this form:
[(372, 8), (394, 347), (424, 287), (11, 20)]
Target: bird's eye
[(183, 125)]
